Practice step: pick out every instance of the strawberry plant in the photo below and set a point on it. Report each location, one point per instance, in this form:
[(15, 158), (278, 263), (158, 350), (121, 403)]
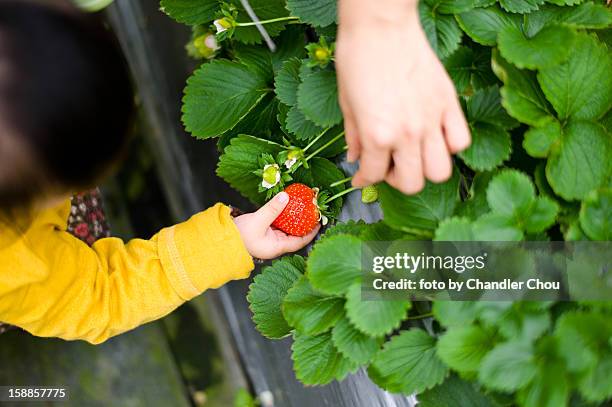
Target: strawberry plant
[(535, 80)]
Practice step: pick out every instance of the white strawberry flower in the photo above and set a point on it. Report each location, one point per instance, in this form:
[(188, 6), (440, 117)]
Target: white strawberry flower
[(218, 26), (211, 42), (222, 24), (290, 162), (271, 176), (293, 156)]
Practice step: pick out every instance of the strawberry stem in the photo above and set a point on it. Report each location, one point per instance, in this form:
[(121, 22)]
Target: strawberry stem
[(273, 20), (314, 140), (324, 146), (342, 181), (429, 314), (339, 194)]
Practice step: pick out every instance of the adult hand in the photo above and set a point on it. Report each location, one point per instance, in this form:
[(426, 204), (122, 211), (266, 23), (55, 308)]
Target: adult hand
[(402, 117), (261, 240)]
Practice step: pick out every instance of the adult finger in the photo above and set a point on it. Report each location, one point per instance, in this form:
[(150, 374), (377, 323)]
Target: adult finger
[(456, 129), (373, 166), (270, 211), (352, 139), (437, 164), (407, 174)]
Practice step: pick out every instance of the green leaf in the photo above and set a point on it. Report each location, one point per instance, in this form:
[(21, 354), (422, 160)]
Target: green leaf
[(522, 96), (579, 163), (257, 58), (491, 146), (596, 213), (539, 140), (259, 122), (264, 10), (454, 313), (408, 363), (515, 321), (335, 264), (606, 121), (470, 69), (508, 367), (511, 193), (287, 80), (550, 46), (550, 387), (454, 230), (582, 337), (565, 2), (494, 227), (353, 344), (586, 15), (459, 6), (422, 211), (238, 162), (521, 6), (318, 98), (267, 292), (485, 107), (316, 360), (381, 232), (319, 13), (483, 24), (300, 126), (442, 31), (374, 318), (581, 87), (542, 215), (289, 45), (351, 227), (454, 392), (309, 311), (595, 386), (463, 347), (476, 205), (219, 95), (191, 12)]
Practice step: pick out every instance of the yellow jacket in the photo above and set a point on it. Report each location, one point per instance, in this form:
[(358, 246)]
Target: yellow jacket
[(54, 285)]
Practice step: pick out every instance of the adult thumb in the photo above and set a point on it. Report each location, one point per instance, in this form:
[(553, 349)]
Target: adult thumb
[(270, 211)]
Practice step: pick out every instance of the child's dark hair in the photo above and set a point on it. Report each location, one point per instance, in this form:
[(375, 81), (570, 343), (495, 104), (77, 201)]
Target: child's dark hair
[(65, 102)]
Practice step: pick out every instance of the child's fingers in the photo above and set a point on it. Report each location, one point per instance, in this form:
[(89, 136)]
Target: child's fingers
[(437, 164), (456, 129), (295, 243), (270, 211)]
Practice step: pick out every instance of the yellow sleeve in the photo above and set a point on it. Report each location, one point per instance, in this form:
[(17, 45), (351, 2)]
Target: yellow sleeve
[(54, 285)]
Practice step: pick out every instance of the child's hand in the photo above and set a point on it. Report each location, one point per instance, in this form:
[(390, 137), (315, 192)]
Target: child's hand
[(402, 116), (261, 240)]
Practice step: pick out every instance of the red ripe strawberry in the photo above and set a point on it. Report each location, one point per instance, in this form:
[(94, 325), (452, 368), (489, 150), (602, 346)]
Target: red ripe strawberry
[(301, 215)]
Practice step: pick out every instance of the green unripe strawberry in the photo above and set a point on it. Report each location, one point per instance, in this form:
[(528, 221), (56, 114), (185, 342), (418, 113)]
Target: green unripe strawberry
[(369, 194)]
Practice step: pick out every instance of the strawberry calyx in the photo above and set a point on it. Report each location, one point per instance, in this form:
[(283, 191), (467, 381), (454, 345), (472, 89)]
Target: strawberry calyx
[(321, 53), (320, 200)]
